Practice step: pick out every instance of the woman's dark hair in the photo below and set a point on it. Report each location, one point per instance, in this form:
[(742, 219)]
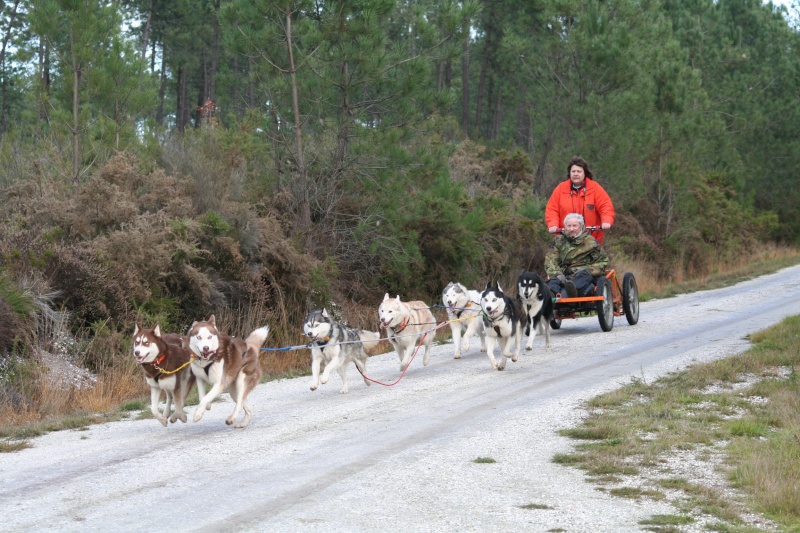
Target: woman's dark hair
[(581, 162)]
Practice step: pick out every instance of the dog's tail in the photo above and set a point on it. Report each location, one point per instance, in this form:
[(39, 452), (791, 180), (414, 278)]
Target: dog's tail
[(370, 340), (257, 339)]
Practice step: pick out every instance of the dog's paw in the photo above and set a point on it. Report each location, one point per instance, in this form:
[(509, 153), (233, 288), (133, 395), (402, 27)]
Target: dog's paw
[(501, 367), (163, 421), (175, 417), (457, 356), (343, 391), (514, 359), (529, 348), (198, 414), (483, 349), (323, 380), (230, 420)]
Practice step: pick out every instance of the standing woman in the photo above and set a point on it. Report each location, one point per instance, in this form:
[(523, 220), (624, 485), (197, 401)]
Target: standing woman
[(580, 194)]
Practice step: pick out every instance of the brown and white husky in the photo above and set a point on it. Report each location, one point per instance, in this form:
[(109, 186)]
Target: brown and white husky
[(166, 368), (225, 363)]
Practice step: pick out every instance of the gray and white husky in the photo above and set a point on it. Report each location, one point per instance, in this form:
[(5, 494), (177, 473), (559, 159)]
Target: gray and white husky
[(464, 313), (505, 322), (336, 345)]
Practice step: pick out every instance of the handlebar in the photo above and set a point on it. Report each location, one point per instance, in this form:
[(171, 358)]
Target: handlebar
[(590, 228)]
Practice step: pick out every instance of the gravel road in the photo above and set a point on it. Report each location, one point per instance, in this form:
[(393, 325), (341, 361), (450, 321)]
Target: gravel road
[(388, 458)]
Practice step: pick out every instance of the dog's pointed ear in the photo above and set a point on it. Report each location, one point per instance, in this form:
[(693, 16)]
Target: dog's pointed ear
[(398, 298), (136, 329), (157, 330), (212, 320), (325, 312), (193, 325), (488, 285), (385, 296), (498, 287)]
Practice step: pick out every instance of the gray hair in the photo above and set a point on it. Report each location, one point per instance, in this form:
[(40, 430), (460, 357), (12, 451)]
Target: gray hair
[(576, 216)]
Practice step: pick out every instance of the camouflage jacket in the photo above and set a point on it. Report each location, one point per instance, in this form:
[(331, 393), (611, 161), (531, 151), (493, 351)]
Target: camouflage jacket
[(568, 255)]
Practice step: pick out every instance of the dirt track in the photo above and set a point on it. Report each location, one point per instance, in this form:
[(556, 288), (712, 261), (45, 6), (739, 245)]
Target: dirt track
[(382, 458)]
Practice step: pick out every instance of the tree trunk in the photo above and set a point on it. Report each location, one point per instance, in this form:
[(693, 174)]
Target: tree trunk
[(180, 112), (487, 45), (305, 207), (212, 76), (76, 82), (146, 34), (6, 38), (162, 90), (344, 126), (465, 82)]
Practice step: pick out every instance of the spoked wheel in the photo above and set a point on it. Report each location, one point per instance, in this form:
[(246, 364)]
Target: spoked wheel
[(605, 307), (630, 298), (555, 323)]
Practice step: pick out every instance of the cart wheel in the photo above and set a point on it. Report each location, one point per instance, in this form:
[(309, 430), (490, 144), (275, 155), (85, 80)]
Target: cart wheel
[(605, 308), (555, 323), (630, 298)]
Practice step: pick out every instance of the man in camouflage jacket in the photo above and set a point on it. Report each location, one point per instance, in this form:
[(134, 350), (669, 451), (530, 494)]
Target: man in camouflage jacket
[(574, 260)]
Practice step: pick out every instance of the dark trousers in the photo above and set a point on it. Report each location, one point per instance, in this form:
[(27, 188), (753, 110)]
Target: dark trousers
[(582, 279)]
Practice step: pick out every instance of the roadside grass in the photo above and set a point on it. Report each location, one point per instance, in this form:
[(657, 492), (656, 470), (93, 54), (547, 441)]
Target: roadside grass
[(736, 418)]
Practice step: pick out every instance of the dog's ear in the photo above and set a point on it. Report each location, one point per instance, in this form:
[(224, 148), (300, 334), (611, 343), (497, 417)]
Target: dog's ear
[(498, 286), (385, 296), (325, 312), (157, 331), (212, 320), (136, 329), (398, 298), (488, 285)]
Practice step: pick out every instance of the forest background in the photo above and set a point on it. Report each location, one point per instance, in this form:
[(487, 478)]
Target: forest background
[(162, 160)]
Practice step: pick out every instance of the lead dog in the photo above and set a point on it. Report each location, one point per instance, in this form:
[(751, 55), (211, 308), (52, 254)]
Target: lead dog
[(166, 368), (536, 300), (463, 312), (225, 362), (504, 321), (336, 345), (407, 323)]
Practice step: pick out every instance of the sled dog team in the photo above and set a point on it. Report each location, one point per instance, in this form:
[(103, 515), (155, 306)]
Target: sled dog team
[(207, 357)]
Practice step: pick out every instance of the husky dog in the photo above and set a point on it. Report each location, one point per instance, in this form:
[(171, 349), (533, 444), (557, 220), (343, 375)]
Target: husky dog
[(336, 345), (504, 321), (166, 368), (463, 311), (407, 323), (536, 300), (225, 362)]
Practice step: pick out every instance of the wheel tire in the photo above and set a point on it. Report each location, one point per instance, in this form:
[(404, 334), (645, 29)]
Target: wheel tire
[(555, 323), (630, 298), (605, 308)]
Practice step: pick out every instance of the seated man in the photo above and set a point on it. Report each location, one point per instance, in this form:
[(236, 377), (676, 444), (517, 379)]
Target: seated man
[(574, 260)]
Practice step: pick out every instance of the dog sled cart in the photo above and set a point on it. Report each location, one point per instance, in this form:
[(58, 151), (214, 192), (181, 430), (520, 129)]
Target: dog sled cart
[(611, 299)]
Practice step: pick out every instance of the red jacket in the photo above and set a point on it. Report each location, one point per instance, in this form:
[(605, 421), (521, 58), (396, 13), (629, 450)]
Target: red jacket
[(592, 201)]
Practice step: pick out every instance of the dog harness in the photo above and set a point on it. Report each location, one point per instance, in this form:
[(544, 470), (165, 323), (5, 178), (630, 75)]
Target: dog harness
[(402, 326), (163, 372), (458, 315)]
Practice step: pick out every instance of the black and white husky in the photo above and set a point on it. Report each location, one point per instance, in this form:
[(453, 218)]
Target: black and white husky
[(336, 345), (464, 313), (537, 302), (504, 321)]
